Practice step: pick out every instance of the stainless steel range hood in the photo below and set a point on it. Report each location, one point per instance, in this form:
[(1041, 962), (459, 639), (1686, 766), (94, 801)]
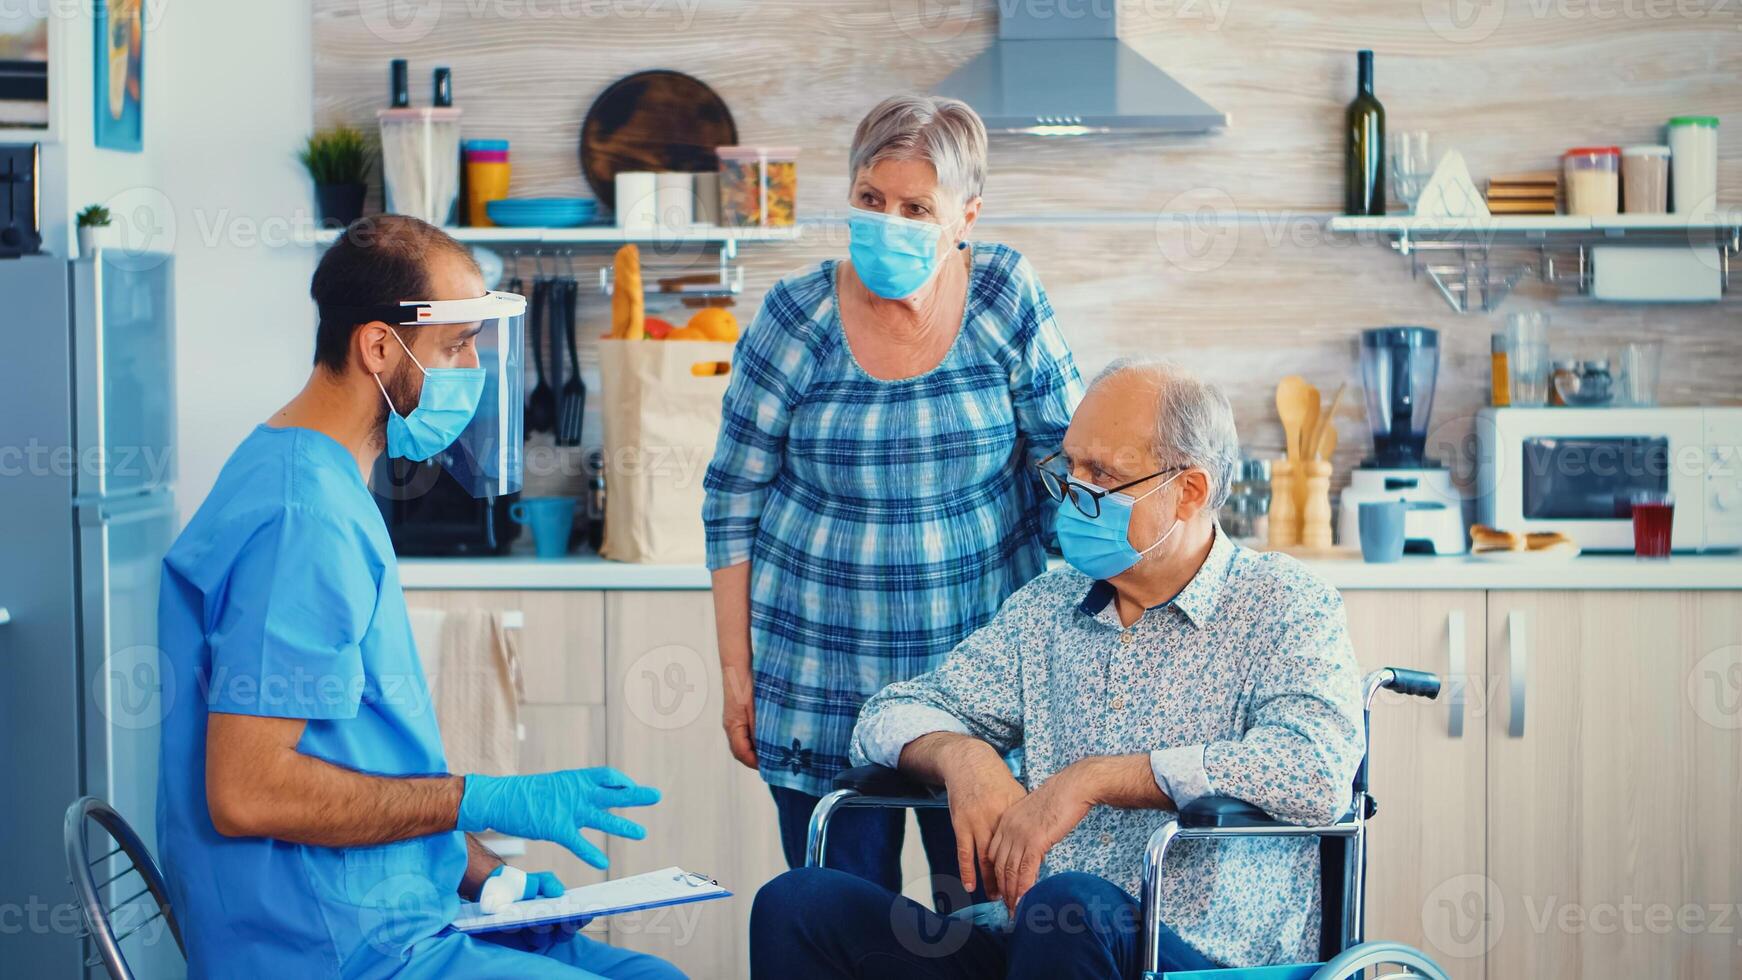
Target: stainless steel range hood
[(1059, 69)]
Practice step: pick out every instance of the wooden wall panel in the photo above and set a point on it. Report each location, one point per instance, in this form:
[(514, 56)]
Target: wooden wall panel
[(1209, 250)]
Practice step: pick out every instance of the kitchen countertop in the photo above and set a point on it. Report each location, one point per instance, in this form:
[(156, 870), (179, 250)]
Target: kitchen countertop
[(1413, 572)]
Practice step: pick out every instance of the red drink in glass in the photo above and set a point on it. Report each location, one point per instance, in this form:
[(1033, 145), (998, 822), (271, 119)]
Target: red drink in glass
[(1653, 518)]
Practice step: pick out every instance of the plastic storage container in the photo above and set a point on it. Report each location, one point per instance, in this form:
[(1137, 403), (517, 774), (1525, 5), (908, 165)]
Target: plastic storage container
[(758, 186), (486, 178), (1693, 144), (1593, 180), (420, 162), (1645, 179)]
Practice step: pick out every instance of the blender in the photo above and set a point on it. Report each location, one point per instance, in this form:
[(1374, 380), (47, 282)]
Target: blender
[(1399, 366)]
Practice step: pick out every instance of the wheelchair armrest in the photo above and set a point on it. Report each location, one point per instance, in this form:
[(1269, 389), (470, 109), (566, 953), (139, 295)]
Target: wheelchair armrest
[(1224, 811), (887, 783)]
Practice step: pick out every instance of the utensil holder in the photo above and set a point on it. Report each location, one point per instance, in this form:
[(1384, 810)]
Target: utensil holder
[(1315, 511), (1284, 516)]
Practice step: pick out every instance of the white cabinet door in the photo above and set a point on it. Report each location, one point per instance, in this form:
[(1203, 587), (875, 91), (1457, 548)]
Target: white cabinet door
[(1615, 784), (1425, 864), (717, 817)]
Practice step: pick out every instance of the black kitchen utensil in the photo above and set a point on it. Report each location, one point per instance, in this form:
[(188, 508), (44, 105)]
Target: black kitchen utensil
[(541, 404), (657, 121), (573, 405)]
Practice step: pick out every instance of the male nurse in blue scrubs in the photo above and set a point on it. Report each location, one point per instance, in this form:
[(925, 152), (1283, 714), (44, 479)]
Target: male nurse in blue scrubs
[(307, 822)]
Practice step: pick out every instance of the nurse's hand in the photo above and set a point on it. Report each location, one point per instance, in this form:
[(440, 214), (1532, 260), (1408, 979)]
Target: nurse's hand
[(555, 806)]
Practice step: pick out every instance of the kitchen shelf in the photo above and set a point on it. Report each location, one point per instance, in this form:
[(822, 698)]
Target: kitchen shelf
[(591, 235), (1456, 254)]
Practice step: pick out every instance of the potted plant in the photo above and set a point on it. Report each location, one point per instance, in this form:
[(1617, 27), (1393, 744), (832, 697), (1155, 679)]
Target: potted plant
[(337, 159), (94, 223)]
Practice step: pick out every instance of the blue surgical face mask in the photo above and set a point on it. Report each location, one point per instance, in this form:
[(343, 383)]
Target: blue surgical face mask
[(449, 400), (1100, 547), (893, 256)]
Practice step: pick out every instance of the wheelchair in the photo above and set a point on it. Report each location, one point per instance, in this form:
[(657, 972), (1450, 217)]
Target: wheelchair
[(1342, 854)]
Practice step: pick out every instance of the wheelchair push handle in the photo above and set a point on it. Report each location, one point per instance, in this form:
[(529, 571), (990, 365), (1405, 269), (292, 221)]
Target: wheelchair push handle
[(1414, 683)]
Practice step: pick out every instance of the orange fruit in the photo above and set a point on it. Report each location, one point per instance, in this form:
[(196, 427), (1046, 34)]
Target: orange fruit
[(686, 333), (715, 323)]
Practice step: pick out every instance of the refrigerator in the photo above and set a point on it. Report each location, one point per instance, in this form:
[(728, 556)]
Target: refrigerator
[(87, 511)]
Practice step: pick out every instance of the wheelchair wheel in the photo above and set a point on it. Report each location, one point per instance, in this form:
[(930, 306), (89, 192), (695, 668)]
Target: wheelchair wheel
[(1351, 962)]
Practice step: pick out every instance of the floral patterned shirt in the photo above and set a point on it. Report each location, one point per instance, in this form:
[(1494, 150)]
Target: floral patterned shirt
[(1243, 685)]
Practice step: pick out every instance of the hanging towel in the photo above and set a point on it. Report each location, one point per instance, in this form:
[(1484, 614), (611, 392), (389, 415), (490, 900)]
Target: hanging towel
[(473, 671)]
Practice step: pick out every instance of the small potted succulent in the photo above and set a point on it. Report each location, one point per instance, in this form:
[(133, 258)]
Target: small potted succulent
[(337, 160), (94, 225)]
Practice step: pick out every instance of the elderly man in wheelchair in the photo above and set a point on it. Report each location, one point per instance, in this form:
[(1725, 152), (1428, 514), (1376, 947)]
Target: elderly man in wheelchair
[(1166, 669)]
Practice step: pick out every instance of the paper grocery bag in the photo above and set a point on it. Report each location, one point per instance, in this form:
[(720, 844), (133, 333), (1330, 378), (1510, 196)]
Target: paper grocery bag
[(661, 403)]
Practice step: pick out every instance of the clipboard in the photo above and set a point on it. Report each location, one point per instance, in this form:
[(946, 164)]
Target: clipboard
[(655, 889)]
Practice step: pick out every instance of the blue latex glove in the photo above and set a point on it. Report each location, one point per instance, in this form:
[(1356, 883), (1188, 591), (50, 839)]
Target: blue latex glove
[(507, 885), (554, 806)]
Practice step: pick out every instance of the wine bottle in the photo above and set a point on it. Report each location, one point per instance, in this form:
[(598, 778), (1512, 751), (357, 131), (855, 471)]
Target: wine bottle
[(1365, 135)]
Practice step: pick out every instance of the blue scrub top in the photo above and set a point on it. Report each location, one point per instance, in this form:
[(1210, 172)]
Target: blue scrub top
[(281, 598)]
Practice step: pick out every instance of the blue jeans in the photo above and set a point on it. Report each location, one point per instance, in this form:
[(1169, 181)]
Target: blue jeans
[(867, 842), (819, 923)]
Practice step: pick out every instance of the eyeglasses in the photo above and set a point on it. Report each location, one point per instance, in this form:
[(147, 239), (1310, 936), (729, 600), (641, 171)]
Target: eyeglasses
[(1085, 498)]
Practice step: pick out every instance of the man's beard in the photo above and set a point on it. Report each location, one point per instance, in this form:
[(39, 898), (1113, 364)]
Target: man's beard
[(404, 392)]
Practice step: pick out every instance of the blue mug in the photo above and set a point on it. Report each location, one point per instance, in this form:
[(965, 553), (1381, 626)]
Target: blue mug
[(552, 520), (1382, 529)]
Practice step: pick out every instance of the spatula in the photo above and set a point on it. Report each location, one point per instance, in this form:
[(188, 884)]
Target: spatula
[(1327, 427), (1309, 424), (1294, 398), (573, 405), (541, 404), (1327, 441)]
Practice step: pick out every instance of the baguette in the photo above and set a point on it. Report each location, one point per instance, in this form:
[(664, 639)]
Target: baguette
[(628, 306)]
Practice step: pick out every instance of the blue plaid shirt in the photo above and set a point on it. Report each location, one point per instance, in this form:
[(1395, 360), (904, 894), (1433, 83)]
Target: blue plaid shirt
[(884, 521)]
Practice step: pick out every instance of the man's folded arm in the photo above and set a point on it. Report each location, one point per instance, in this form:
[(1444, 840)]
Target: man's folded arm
[(1298, 759)]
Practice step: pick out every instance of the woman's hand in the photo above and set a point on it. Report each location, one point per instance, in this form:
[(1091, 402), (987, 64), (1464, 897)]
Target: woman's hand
[(981, 791), (1029, 829), (739, 717)]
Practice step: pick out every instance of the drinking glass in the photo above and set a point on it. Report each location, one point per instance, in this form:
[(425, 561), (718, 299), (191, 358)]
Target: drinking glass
[(1641, 362), (1653, 519), (1527, 357), (1411, 164)]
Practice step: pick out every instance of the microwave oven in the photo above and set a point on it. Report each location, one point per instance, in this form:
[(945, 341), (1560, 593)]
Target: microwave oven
[(1571, 469)]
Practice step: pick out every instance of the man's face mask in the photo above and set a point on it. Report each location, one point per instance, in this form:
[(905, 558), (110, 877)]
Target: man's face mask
[(466, 420), (445, 406)]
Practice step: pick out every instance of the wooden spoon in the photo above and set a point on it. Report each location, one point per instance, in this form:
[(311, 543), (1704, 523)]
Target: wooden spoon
[(1294, 399)]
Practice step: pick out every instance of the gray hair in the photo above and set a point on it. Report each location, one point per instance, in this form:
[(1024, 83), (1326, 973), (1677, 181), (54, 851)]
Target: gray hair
[(1194, 424), (943, 132)]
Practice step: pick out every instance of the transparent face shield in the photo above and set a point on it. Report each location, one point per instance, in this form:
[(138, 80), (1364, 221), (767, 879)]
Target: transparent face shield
[(486, 458)]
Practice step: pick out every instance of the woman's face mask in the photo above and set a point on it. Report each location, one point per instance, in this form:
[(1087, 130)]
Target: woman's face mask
[(895, 256)]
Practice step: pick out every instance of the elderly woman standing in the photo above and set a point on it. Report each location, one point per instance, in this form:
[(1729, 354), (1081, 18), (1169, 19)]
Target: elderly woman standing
[(868, 505)]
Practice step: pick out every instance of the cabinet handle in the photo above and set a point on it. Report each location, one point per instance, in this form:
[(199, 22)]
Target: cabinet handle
[(1518, 670), (1456, 671)]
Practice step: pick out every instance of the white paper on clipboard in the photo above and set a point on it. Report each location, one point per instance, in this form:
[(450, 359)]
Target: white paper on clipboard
[(655, 889)]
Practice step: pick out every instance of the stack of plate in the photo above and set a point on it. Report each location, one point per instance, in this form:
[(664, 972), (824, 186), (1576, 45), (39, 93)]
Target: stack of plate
[(542, 212)]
